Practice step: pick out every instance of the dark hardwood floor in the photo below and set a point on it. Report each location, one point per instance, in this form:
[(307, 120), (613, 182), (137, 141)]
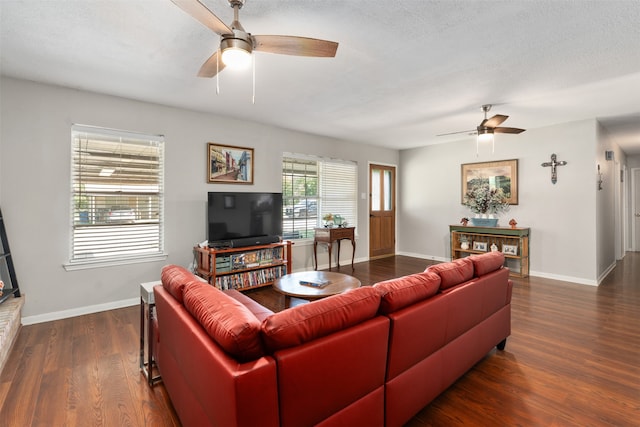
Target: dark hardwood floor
[(573, 359)]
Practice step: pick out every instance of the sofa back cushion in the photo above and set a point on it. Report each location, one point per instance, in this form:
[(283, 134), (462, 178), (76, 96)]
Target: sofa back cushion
[(229, 323), (175, 278), (307, 322), (486, 263), (403, 291), (453, 273)]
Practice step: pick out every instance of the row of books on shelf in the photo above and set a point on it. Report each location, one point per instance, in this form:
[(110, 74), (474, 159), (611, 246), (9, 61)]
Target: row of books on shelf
[(250, 278), (247, 260)]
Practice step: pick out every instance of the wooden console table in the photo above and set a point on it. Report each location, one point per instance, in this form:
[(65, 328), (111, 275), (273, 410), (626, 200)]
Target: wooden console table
[(512, 242), (328, 235)]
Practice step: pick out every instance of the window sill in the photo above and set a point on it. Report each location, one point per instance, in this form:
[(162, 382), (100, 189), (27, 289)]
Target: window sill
[(88, 264), (302, 242)]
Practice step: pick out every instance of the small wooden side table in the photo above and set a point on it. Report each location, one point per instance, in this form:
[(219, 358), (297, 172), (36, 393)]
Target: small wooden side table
[(328, 235), (147, 306)]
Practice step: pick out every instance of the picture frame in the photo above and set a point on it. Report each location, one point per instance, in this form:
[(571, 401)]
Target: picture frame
[(480, 246), (228, 164), (499, 174), (510, 249)]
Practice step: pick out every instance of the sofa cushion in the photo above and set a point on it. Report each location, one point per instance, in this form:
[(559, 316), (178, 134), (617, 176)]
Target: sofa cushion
[(486, 263), (454, 272), (403, 291), (316, 319), (175, 278), (229, 323)]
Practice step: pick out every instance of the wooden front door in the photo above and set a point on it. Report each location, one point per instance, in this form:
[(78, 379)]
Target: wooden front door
[(382, 211)]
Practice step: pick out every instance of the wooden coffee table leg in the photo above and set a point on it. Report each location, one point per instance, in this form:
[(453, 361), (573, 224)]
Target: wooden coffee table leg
[(287, 301)]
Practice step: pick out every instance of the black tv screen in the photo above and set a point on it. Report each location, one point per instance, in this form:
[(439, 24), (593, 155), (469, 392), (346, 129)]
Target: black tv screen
[(238, 215)]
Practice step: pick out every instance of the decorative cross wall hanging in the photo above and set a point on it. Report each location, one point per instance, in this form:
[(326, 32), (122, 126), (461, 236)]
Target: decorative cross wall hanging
[(553, 163)]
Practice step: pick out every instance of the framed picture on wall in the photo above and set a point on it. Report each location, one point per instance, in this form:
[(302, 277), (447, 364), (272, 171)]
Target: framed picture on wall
[(501, 174), (229, 164)]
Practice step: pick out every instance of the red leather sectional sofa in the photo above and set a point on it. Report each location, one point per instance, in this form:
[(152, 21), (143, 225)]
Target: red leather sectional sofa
[(372, 356)]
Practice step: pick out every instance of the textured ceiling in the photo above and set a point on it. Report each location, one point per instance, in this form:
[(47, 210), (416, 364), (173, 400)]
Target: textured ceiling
[(405, 71)]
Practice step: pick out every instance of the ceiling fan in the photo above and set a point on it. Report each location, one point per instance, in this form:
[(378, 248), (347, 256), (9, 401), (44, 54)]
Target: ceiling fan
[(237, 45), (489, 126)]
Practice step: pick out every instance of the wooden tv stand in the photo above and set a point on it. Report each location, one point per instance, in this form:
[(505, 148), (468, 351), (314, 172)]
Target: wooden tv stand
[(243, 268)]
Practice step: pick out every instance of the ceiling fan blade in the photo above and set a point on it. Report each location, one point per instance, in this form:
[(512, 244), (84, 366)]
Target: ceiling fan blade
[(508, 130), (470, 132), (298, 46), (201, 13), (494, 121), (212, 66)]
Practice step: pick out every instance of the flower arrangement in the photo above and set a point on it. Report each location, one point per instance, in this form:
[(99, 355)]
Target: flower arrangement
[(328, 217), (482, 199)]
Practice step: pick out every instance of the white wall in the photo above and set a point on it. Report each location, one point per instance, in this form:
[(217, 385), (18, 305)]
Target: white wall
[(633, 161), (562, 216), (609, 202), (571, 221), (35, 138)]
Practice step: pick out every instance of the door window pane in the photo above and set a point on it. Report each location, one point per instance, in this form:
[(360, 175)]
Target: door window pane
[(375, 190), (387, 190)]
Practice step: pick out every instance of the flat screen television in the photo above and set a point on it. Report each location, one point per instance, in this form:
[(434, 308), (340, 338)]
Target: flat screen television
[(243, 219)]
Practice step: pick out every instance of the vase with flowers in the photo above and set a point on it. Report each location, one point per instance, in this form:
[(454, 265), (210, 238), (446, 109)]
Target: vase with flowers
[(485, 202), (328, 219)]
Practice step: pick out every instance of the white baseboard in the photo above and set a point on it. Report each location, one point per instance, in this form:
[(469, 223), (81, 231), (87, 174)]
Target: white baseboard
[(571, 279), (64, 314), (578, 280), (423, 256), (343, 263), (606, 272)]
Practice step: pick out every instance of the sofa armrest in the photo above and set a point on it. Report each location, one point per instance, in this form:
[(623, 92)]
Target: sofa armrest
[(206, 385)]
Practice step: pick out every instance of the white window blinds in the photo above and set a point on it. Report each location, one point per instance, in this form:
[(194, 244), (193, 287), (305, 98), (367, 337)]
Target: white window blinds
[(117, 195), (313, 187), (339, 190)]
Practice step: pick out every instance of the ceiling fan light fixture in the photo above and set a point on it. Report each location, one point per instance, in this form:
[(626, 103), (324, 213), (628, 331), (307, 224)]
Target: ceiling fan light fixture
[(236, 53), (485, 135)]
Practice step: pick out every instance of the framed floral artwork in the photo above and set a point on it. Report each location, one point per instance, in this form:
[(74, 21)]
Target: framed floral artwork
[(229, 164), (500, 174)]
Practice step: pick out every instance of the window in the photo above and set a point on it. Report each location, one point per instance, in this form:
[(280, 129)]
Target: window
[(116, 196), (314, 187)]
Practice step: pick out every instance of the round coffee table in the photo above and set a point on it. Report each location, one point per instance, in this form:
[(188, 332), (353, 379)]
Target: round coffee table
[(290, 286)]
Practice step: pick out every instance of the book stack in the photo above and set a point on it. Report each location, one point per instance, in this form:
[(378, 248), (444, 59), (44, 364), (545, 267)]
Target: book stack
[(250, 278), (223, 264), (252, 259), (319, 283)]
